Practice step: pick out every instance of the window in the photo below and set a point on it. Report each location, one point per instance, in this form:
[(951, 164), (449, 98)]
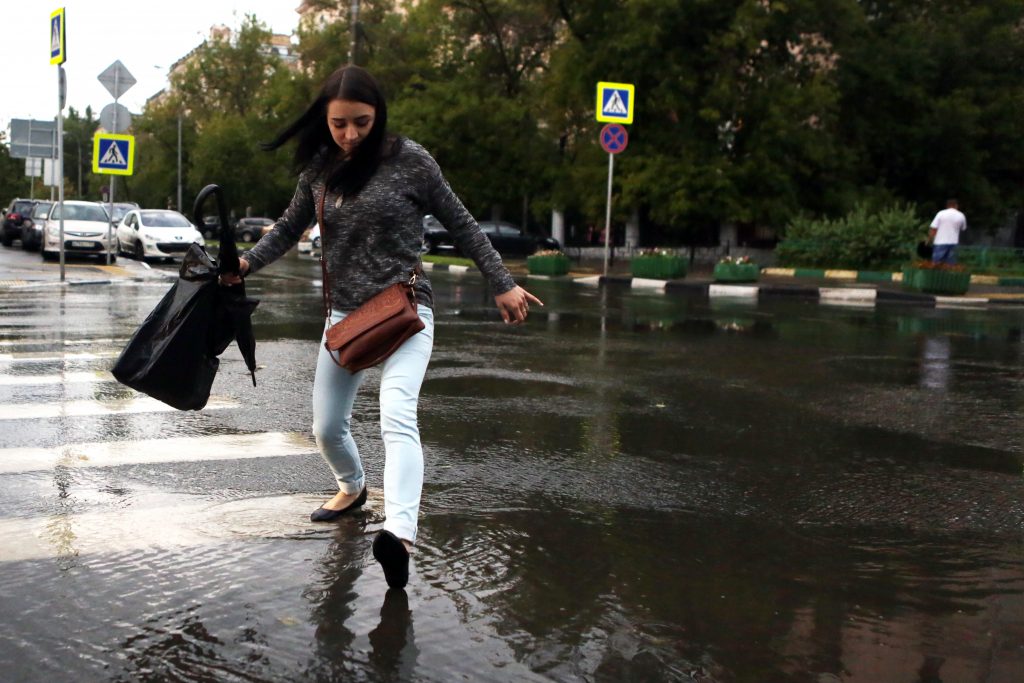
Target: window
[(164, 219), (81, 212)]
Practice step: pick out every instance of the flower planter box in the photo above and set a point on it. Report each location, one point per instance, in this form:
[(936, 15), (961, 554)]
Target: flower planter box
[(658, 267), (936, 281), (736, 272), (548, 265)]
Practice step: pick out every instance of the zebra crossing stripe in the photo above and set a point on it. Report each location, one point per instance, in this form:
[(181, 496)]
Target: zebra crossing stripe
[(64, 378), (5, 343), (32, 358), (175, 449), (141, 404)]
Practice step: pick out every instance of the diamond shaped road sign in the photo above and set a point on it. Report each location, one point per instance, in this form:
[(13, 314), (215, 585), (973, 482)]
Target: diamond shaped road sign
[(117, 79)]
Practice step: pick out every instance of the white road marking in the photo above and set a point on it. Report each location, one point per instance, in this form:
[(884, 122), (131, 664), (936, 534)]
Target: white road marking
[(5, 343), (141, 404), (31, 358), (65, 378), (176, 449)]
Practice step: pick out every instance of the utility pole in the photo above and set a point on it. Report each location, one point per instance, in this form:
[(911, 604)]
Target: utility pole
[(180, 209), (354, 40)]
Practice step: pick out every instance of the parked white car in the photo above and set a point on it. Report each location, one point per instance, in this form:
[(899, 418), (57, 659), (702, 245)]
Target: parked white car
[(85, 231), (155, 233)]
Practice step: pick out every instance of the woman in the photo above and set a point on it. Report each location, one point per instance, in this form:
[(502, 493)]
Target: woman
[(375, 190)]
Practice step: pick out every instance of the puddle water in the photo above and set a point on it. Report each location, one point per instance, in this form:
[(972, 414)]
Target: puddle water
[(632, 487)]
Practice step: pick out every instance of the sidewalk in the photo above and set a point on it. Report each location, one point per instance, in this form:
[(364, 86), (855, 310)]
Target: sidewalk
[(19, 269)]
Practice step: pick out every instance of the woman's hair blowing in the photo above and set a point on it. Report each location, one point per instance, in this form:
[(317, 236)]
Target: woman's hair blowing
[(347, 175)]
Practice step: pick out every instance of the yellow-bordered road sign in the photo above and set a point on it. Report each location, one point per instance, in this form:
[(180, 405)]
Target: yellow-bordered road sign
[(615, 102), (58, 38), (113, 154)]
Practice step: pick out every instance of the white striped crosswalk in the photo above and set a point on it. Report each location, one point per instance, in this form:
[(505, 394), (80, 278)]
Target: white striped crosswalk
[(63, 378), (157, 517), (176, 449), (54, 357), (143, 404)]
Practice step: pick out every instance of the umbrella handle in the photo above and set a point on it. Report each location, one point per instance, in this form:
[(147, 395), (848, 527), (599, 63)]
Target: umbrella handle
[(227, 258)]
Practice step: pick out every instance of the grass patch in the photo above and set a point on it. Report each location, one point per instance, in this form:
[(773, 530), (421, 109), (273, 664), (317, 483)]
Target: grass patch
[(448, 260)]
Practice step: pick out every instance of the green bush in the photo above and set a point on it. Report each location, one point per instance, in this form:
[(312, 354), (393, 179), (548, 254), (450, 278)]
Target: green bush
[(862, 239)]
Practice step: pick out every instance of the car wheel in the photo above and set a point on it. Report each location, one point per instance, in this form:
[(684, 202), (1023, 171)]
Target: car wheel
[(6, 239), (425, 247), (247, 236), (316, 242), (49, 255), (140, 253)]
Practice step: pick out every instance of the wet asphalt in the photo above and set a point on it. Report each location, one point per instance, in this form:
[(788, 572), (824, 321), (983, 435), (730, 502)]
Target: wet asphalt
[(631, 487)]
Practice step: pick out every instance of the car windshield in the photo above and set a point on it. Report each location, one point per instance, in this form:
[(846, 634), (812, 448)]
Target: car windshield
[(81, 212), (22, 207), (121, 209), (41, 210), (164, 219)]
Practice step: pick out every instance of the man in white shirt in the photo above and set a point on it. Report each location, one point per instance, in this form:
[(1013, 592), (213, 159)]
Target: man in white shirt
[(945, 232)]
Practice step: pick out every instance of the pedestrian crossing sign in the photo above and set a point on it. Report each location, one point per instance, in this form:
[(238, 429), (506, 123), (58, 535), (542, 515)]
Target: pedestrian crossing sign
[(113, 154), (58, 38), (615, 102)]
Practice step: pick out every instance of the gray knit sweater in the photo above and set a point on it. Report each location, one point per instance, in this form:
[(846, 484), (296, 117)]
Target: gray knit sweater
[(373, 240)]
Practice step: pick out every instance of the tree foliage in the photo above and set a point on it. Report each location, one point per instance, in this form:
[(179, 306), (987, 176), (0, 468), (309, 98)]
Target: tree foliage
[(748, 111)]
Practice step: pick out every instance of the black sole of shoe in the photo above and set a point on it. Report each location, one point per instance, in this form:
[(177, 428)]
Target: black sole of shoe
[(322, 514), (389, 550)]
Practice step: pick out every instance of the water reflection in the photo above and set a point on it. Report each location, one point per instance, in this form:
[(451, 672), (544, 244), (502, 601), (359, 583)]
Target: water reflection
[(339, 615), (935, 368), (393, 641)]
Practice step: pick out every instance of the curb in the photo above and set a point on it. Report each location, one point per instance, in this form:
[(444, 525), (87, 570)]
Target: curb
[(864, 295), (849, 296), (868, 276), (427, 265)]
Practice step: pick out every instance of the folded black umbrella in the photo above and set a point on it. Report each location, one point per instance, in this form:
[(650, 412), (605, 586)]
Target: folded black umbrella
[(173, 356)]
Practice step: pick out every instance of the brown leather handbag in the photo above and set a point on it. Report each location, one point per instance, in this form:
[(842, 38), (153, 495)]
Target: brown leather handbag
[(375, 330)]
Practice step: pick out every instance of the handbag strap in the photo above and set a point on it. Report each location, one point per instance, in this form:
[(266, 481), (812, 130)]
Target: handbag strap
[(323, 261), (323, 250)]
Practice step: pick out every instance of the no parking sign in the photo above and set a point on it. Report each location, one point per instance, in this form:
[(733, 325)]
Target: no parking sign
[(614, 138)]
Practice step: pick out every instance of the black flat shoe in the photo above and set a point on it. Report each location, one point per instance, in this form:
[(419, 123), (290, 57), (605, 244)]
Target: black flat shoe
[(393, 556), (322, 514)]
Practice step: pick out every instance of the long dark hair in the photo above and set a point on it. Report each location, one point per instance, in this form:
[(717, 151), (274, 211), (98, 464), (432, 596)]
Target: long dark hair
[(348, 175)]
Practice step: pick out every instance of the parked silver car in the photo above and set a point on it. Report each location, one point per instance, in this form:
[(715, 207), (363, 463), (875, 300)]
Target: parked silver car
[(86, 226)]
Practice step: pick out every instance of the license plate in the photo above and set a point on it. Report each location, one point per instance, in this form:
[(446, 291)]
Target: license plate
[(80, 243)]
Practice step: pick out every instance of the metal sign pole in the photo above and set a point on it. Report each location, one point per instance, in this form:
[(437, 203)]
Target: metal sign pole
[(113, 178), (59, 162), (608, 215), (32, 178)]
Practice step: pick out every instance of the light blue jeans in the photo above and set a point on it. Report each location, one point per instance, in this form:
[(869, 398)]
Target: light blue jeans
[(334, 393)]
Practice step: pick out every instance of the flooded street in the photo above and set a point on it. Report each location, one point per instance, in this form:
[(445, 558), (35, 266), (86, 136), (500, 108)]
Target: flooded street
[(631, 487)]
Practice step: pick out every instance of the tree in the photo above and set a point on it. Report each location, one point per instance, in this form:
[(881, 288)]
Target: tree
[(78, 143), (233, 94), (13, 182), (931, 101)]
